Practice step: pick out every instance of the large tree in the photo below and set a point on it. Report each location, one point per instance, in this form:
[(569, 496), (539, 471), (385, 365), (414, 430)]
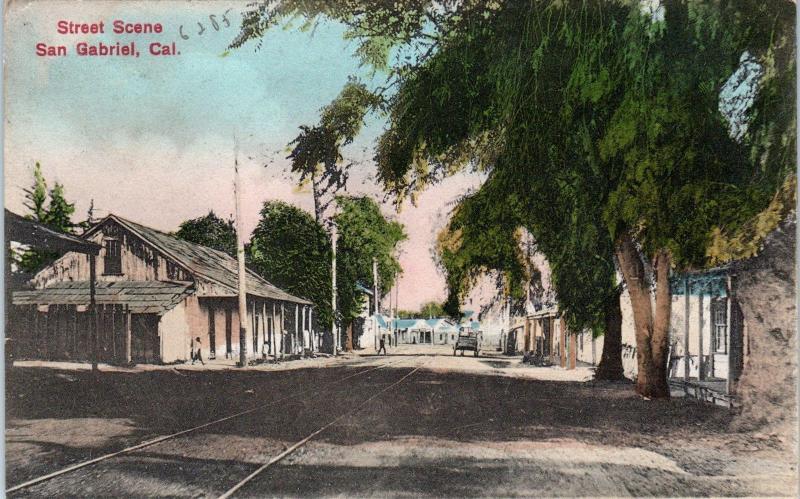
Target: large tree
[(293, 251), (48, 207), (585, 109), (211, 231), (317, 151), (365, 234)]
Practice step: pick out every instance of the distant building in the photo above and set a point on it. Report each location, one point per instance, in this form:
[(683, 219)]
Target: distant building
[(155, 294), (413, 331), (445, 331)]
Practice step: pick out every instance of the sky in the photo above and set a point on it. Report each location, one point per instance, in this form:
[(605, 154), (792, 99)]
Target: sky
[(151, 138)]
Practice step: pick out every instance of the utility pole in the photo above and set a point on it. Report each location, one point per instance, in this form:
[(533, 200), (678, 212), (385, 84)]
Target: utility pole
[(240, 258), (395, 317), (375, 296), (334, 236)]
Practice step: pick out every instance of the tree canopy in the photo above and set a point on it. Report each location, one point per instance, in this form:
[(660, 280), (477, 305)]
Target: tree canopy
[(293, 251), (364, 234), (211, 231), (608, 130), (49, 207)]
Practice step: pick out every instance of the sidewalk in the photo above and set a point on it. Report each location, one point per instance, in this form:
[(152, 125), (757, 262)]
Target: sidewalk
[(210, 365)]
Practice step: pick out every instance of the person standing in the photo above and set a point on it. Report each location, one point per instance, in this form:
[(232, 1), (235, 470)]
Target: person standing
[(196, 354), (382, 347)]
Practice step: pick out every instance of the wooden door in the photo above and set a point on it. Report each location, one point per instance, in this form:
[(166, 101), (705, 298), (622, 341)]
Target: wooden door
[(228, 333), (145, 347), (212, 333)]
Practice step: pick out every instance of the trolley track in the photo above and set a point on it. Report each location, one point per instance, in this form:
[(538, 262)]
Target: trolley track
[(289, 450), (172, 436)]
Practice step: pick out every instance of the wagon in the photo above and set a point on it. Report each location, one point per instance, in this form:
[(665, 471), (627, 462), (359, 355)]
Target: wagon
[(467, 341)]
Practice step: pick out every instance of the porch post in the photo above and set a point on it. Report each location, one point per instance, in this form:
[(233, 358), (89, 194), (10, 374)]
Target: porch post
[(711, 343), (305, 326), (93, 311), (562, 340), (128, 357), (266, 328), (686, 307), (296, 325), (274, 335), (283, 327), (314, 339), (700, 364), (728, 331)]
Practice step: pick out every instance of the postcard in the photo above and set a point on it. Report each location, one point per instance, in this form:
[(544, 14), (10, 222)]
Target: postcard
[(447, 248)]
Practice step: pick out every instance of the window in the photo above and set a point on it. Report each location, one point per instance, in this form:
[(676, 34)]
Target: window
[(719, 317), (112, 262)]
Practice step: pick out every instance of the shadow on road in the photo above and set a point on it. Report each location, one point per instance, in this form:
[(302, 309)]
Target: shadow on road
[(436, 406)]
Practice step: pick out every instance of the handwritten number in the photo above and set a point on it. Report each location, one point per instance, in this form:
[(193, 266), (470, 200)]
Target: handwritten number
[(214, 24)]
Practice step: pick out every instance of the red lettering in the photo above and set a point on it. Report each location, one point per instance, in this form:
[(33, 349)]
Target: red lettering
[(121, 27), (71, 28)]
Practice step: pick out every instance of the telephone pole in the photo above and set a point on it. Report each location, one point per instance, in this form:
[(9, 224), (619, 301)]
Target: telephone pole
[(335, 336), (240, 257), (376, 298)]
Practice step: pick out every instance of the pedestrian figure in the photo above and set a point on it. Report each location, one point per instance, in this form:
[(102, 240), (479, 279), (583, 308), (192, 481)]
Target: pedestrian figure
[(383, 347), (196, 355)]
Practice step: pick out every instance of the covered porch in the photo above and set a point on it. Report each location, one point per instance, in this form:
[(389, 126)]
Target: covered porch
[(707, 337)]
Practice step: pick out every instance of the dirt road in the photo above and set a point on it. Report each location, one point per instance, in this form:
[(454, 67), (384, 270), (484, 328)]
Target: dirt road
[(457, 426)]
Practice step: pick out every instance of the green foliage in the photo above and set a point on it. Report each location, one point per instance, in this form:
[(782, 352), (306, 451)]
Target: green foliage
[(594, 118), (57, 214), (609, 122), (431, 309), (36, 196), (211, 231), (292, 251), (317, 151), (481, 236), (364, 234)]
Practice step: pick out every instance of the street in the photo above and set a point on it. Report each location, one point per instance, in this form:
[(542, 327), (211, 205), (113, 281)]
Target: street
[(418, 422)]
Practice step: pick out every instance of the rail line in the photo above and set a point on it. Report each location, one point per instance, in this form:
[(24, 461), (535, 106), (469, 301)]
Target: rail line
[(305, 440), (157, 440)]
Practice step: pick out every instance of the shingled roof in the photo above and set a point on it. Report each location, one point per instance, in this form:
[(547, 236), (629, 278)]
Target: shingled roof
[(215, 266), (143, 297)]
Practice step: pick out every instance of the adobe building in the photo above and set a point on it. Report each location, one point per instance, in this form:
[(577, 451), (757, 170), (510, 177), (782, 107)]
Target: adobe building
[(154, 295)]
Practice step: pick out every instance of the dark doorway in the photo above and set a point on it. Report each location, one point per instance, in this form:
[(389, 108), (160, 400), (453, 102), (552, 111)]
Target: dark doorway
[(145, 347), (212, 334), (548, 336), (228, 333)]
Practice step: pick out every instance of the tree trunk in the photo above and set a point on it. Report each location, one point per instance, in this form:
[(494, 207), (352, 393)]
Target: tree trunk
[(610, 367), (317, 198), (652, 328), (660, 340), (349, 343)]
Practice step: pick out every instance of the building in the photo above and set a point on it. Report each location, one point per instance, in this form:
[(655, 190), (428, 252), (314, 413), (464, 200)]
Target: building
[(413, 331), (445, 331), (155, 294), (707, 336)]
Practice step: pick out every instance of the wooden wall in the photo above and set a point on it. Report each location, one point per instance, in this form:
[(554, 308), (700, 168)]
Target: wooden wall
[(62, 333), (140, 262)]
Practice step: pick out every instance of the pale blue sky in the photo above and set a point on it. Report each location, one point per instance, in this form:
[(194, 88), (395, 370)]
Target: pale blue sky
[(266, 93)]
